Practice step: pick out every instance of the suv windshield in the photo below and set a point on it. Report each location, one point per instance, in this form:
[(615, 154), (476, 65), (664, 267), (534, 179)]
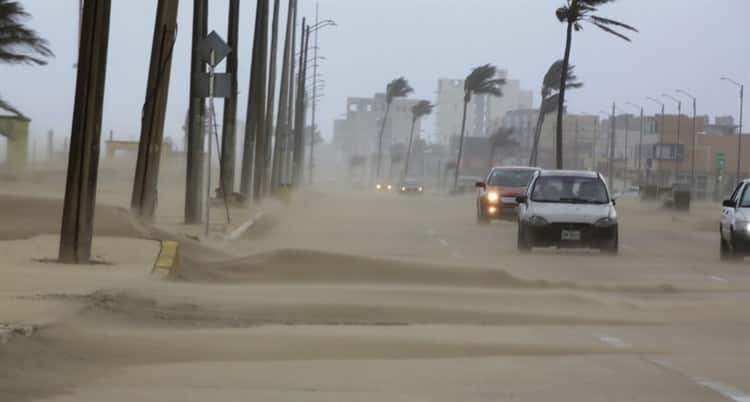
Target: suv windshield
[(569, 189), (510, 177)]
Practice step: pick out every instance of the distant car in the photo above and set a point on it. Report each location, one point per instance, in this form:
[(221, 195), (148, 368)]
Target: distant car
[(734, 226), (383, 187), (568, 209), (496, 198), (411, 186)]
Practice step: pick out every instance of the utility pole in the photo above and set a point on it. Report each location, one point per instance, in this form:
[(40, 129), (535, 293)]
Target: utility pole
[(695, 134), (269, 128), (739, 132), (83, 163), (299, 144), (144, 197), (282, 126), (640, 140), (255, 104), (285, 176), (196, 120), (315, 95), (229, 127), (677, 160), (610, 167), (50, 145)]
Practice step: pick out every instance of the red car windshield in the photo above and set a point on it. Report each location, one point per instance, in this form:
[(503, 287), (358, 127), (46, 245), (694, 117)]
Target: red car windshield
[(510, 177)]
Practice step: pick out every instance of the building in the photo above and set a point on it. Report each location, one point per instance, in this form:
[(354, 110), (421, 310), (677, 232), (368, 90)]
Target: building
[(483, 114)]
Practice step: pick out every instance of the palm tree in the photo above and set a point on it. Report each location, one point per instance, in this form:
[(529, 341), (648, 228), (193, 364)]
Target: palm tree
[(550, 97), (574, 12), (483, 80), (503, 137), (19, 44), (398, 88), (421, 109)]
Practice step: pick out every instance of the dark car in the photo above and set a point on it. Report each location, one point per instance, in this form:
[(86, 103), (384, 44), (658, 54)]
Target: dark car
[(410, 186), (496, 198)]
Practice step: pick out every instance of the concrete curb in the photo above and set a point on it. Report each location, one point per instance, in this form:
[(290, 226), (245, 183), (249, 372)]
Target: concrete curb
[(168, 261)]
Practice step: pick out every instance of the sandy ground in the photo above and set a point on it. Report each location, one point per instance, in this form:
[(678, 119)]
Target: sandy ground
[(364, 297)]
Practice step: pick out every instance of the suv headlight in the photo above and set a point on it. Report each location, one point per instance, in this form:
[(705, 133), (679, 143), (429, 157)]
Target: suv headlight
[(493, 197), (537, 220), (606, 222)]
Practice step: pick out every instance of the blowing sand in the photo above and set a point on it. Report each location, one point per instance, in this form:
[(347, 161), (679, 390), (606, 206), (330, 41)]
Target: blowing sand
[(361, 297)]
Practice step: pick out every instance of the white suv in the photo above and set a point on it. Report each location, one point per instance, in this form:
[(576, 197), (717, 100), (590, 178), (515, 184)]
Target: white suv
[(734, 227), (567, 209)]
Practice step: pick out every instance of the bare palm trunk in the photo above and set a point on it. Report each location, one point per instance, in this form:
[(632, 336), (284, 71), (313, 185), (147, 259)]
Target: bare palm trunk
[(271, 99), (380, 140), (229, 134), (534, 157), (282, 126), (561, 104), (408, 149), (460, 147)]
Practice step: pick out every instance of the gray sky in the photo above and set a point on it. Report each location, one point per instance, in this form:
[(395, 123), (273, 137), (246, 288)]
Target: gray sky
[(686, 45)]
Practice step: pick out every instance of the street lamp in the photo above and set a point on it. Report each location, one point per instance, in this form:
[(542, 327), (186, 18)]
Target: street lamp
[(692, 153), (661, 129), (739, 132), (640, 139), (679, 118), (315, 28), (625, 154)]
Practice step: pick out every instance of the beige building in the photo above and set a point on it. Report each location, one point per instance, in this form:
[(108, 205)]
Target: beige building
[(484, 113)]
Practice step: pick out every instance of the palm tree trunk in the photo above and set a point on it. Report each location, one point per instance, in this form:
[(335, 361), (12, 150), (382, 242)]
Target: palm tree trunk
[(271, 98), (534, 157), (408, 149), (282, 125), (261, 132), (460, 147), (380, 140), (229, 134), (561, 104)]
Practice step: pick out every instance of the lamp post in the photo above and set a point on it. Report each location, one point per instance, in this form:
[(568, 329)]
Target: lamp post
[(677, 145), (315, 28), (692, 152), (739, 132), (640, 137), (625, 154), (661, 126)]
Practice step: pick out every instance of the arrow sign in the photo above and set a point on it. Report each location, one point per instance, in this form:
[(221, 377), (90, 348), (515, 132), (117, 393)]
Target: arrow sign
[(213, 42)]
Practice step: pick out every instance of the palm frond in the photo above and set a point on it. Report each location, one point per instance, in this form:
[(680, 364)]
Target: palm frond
[(551, 82), (607, 21), (422, 108), (19, 44), (504, 137), (611, 31), (549, 105), (398, 88), (483, 80)]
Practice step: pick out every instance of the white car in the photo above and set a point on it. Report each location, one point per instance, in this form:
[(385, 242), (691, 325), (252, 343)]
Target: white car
[(734, 227), (567, 209)]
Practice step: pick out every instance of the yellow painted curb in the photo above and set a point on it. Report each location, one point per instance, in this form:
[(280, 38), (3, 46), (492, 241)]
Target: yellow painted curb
[(168, 261)]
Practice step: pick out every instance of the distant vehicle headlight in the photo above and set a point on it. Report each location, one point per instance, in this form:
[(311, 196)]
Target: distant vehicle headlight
[(537, 220), (378, 186), (390, 187), (403, 188), (421, 189), (606, 222), (493, 197)]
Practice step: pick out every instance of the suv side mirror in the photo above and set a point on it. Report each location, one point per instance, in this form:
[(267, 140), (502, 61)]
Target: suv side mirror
[(729, 204), (522, 199), (480, 184), (614, 201)]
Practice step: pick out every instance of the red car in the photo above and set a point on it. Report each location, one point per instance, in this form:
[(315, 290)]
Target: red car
[(496, 198)]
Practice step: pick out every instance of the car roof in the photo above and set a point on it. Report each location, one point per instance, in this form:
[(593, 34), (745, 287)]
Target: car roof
[(575, 173), (515, 168)]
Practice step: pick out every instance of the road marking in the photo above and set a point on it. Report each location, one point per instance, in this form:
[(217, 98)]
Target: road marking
[(719, 279), (431, 232), (444, 242), (725, 390), (616, 343), (457, 255)]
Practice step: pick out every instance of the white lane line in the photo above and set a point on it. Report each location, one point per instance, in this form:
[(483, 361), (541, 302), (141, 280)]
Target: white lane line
[(615, 342), (725, 390), (443, 242), (719, 279)]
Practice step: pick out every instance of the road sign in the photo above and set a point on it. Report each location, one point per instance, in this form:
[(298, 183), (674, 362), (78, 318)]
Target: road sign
[(213, 42), (222, 85)]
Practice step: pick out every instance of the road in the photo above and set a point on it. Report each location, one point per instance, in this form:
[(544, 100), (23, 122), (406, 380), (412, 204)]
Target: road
[(373, 297)]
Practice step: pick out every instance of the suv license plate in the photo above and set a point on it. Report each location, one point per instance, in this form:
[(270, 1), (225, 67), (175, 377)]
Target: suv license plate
[(571, 235)]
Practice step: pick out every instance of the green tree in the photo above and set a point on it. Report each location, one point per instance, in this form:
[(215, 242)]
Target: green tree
[(574, 13), (550, 96), (421, 109), (398, 88), (483, 80), (18, 43)]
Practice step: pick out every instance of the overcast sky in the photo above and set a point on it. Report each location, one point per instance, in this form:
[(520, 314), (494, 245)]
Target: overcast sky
[(681, 44)]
